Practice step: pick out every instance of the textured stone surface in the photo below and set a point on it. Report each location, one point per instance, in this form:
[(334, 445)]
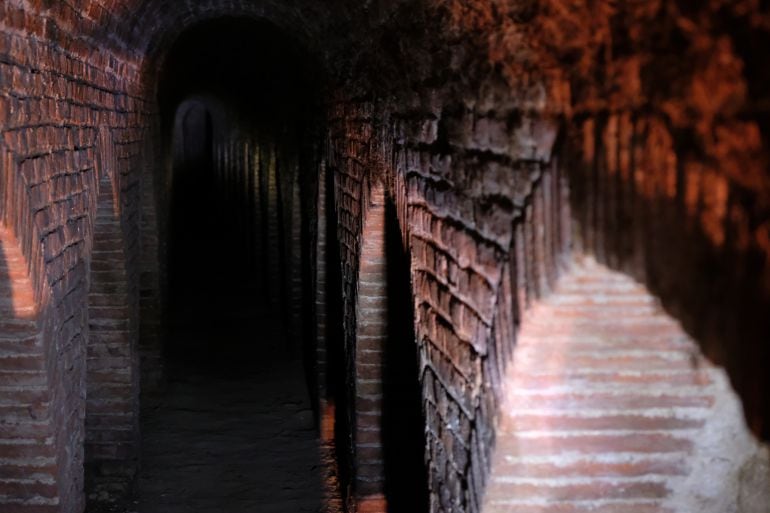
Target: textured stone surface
[(608, 405), (475, 114)]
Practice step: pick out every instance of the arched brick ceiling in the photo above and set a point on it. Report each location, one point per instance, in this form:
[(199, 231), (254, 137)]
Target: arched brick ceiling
[(148, 28), (159, 22)]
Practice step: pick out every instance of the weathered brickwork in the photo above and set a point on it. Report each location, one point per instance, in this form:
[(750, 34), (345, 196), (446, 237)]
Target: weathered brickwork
[(150, 269), (54, 96), (669, 220), (461, 240), (668, 145), (347, 158), (319, 278), (458, 246), (460, 280), (501, 131)]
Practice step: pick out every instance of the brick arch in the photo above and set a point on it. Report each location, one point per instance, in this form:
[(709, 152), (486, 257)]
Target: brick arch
[(27, 445), (645, 206), (112, 405), (172, 19), (168, 20), (31, 478), (389, 420)]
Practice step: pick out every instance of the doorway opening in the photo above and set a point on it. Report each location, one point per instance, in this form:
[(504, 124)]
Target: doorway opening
[(234, 428)]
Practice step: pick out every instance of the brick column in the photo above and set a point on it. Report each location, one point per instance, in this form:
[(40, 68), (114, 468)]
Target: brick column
[(112, 426), (371, 316)]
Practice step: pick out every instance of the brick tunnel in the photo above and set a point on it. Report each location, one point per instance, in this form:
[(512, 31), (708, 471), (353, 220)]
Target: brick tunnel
[(386, 256)]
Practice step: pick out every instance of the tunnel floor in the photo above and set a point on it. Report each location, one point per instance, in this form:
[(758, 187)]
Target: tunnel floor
[(231, 443), (233, 431)]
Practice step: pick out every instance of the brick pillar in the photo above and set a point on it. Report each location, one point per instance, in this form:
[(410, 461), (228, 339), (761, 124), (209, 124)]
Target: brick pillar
[(28, 450), (371, 318), (29, 468), (112, 426)]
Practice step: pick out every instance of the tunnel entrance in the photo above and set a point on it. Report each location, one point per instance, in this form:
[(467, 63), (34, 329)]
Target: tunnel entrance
[(234, 428)]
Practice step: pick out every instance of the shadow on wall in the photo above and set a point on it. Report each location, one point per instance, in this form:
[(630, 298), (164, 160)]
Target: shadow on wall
[(691, 235), (336, 381), (403, 424)]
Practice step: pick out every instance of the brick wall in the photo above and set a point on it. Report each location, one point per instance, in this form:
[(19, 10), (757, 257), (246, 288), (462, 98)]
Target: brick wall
[(319, 279), (459, 211), (662, 104), (456, 109), (151, 299), (347, 156), (462, 245), (54, 95)]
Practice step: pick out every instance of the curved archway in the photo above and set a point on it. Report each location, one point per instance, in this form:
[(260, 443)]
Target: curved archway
[(609, 405), (235, 198), (178, 20), (30, 477), (34, 476)]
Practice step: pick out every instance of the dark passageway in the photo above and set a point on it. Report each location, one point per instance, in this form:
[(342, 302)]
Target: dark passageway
[(234, 429), (403, 437)]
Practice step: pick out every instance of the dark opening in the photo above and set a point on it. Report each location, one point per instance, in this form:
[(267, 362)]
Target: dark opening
[(337, 373), (229, 227), (194, 243), (403, 425), (234, 430)]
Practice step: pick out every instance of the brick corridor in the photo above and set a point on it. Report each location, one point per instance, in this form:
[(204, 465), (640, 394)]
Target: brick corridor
[(604, 403)]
